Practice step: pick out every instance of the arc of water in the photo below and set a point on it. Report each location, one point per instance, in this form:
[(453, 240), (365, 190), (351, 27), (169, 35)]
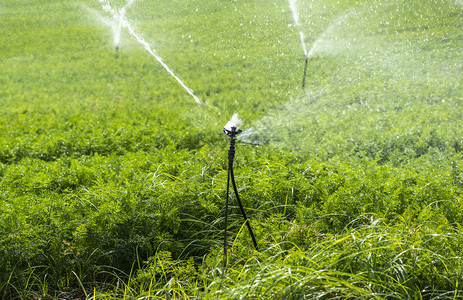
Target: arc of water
[(328, 31), (304, 48), (117, 34), (125, 23), (292, 6)]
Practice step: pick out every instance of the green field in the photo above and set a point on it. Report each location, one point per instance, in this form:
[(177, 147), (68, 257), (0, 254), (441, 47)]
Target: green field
[(113, 179)]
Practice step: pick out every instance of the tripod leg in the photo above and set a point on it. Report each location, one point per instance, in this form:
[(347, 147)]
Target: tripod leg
[(242, 208), (226, 224)]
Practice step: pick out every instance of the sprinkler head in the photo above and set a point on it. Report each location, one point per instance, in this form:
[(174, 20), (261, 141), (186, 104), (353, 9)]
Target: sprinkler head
[(232, 132), (230, 127)]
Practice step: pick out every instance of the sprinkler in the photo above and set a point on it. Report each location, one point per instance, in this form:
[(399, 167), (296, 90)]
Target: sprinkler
[(305, 70), (117, 51), (292, 6), (123, 22), (231, 130)]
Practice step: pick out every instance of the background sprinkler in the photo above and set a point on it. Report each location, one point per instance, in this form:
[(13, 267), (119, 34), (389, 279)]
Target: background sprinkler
[(292, 6), (123, 22), (230, 129), (305, 70), (117, 33)]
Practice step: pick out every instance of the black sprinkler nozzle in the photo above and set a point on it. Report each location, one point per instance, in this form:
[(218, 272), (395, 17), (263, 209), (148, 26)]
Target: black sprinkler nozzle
[(232, 132)]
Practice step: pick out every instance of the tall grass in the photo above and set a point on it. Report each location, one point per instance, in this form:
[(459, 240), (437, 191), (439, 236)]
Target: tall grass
[(374, 261)]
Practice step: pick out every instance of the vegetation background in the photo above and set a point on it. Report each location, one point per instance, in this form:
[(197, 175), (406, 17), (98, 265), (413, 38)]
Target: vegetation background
[(112, 178)]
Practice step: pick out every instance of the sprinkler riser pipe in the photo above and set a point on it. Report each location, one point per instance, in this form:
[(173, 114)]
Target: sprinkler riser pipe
[(230, 130), (305, 71)]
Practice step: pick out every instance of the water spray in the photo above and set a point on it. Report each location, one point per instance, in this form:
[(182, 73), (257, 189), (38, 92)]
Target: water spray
[(316, 44), (117, 33), (231, 130), (292, 6), (126, 24), (117, 36)]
